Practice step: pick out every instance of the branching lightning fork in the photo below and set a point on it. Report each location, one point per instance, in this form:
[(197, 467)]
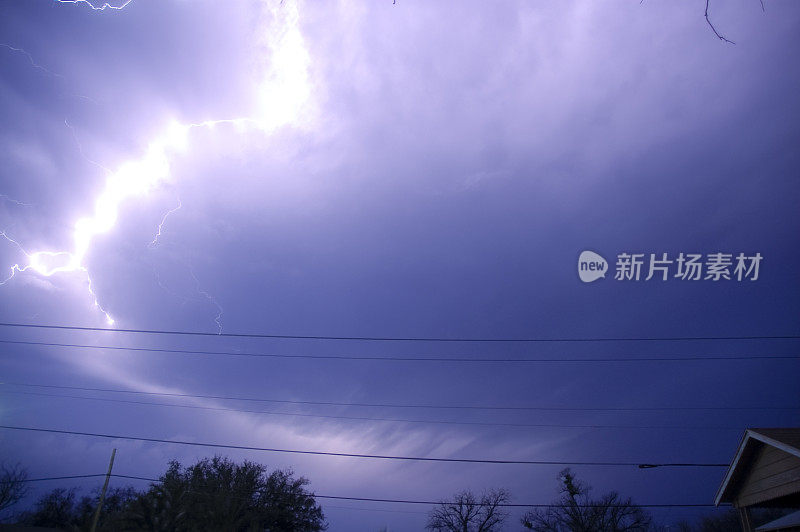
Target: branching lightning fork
[(281, 97), (39, 263), (94, 7)]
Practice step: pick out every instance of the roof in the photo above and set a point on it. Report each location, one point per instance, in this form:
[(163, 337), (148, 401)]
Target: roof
[(785, 439), (791, 520)]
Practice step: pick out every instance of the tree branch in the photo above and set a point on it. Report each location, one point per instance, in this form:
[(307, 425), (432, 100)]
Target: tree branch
[(721, 37)]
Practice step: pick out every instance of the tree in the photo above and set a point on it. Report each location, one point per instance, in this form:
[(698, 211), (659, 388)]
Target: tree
[(12, 486), (218, 494), (213, 494), (54, 509), (60, 508), (575, 511), (466, 514), (113, 512)]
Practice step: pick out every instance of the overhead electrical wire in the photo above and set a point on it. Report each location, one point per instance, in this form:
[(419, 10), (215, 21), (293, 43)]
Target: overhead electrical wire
[(395, 358), (401, 405), (393, 501), (66, 477), (640, 465), (398, 338), (382, 419), (513, 505)]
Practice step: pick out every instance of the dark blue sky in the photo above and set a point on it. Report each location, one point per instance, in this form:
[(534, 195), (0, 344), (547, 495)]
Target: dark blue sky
[(410, 170)]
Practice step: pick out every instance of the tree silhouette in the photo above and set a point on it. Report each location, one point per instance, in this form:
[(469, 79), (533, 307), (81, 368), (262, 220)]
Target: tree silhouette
[(12, 486), (60, 508), (466, 514), (218, 494), (213, 494), (575, 511)]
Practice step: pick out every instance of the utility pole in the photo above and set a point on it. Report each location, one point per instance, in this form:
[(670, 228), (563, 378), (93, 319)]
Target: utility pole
[(103, 493)]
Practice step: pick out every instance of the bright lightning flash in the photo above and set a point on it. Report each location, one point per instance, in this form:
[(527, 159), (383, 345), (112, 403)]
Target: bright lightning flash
[(102, 7), (281, 99), (46, 264)]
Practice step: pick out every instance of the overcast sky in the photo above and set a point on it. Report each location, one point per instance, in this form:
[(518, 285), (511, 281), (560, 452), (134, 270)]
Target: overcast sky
[(418, 169)]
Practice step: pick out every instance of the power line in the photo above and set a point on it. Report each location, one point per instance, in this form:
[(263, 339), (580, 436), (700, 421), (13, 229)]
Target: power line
[(369, 456), (512, 505), (397, 338), (380, 510), (68, 477), (390, 358), (395, 420), (400, 501), (398, 405)]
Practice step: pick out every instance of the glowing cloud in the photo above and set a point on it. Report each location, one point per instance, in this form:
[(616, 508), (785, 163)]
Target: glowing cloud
[(285, 91), (282, 96)]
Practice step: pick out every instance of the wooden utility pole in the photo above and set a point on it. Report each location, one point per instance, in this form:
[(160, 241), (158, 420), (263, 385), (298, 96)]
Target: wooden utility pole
[(103, 493)]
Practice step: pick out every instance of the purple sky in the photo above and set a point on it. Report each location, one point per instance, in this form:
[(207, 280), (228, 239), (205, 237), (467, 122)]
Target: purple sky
[(435, 172)]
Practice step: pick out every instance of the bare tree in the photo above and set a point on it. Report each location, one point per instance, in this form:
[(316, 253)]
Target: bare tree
[(12, 485), (466, 514), (576, 512)]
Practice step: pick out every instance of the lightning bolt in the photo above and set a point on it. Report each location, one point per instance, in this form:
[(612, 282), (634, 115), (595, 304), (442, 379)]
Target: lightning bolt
[(203, 293), (80, 150), (211, 299), (47, 71), (34, 64), (38, 262), (171, 292), (9, 199), (283, 95), (153, 243), (102, 7)]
